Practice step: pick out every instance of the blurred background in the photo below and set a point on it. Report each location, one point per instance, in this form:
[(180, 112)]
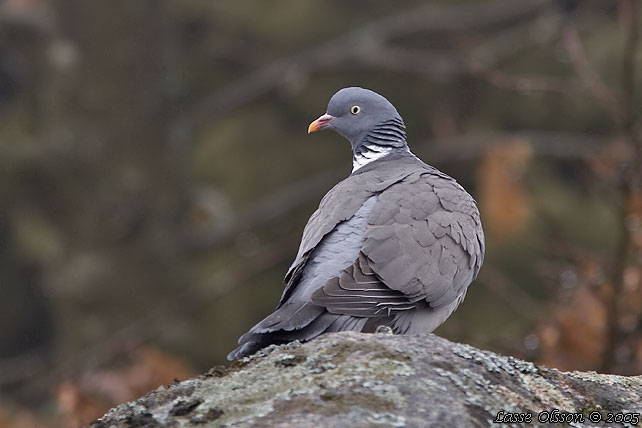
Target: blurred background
[(156, 176)]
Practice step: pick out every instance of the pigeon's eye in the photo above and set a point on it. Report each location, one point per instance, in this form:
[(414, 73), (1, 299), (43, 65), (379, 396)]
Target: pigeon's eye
[(355, 109)]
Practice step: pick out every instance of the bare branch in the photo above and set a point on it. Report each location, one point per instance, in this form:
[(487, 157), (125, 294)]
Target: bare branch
[(556, 145), (511, 295), (629, 19), (366, 38), (528, 83), (587, 74), (268, 209), (140, 331), (631, 186)]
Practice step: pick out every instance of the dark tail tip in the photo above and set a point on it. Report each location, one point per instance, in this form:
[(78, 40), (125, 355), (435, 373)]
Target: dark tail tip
[(246, 349)]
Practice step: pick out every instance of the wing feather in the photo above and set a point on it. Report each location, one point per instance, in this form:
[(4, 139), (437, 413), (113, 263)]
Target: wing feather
[(435, 246)]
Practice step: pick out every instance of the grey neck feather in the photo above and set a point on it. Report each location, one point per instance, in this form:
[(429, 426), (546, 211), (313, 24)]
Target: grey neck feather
[(383, 139)]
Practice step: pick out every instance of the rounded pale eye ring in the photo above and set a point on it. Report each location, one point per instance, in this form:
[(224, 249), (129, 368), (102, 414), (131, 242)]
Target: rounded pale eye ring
[(355, 109)]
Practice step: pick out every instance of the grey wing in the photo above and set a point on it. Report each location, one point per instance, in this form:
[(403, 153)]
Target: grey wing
[(423, 245), (331, 242), (359, 292), (338, 205)]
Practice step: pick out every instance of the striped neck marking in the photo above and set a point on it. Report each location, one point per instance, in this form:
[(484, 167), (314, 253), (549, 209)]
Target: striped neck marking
[(383, 139), (368, 154)]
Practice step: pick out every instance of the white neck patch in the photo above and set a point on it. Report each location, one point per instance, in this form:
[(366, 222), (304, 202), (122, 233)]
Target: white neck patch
[(366, 156), (370, 154)]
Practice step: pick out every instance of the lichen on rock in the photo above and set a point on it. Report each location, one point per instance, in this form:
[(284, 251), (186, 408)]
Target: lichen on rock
[(372, 380)]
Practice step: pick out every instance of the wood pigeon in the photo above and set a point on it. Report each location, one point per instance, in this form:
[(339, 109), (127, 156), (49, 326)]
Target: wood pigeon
[(394, 245)]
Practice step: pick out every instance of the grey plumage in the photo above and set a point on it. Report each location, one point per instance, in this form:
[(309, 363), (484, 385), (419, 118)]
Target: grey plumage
[(396, 243)]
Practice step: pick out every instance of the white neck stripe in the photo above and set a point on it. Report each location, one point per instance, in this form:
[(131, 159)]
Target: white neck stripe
[(369, 155)]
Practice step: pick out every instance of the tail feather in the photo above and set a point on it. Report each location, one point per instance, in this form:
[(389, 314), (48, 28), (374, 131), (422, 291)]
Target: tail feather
[(347, 323), (244, 350), (309, 332), (307, 322), (289, 316)]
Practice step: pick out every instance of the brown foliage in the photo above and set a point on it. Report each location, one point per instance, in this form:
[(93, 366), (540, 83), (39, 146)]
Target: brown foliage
[(573, 337), (505, 203), (87, 397)]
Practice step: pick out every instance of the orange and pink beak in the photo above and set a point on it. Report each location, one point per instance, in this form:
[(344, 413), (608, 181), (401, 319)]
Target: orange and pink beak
[(321, 123)]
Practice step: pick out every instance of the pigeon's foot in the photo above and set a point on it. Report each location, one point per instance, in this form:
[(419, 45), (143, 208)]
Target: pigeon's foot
[(383, 329)]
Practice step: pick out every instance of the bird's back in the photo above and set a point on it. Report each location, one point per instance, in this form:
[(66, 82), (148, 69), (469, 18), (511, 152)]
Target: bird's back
[(426, 221)]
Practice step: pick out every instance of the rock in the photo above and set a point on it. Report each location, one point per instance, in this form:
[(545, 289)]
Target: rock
[(374, 380)]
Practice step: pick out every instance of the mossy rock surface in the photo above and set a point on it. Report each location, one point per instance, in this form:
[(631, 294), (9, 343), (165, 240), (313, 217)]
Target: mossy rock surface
[(365, 380)]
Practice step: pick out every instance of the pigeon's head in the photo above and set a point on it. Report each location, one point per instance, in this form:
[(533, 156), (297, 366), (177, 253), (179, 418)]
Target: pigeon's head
[(355, 112)]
